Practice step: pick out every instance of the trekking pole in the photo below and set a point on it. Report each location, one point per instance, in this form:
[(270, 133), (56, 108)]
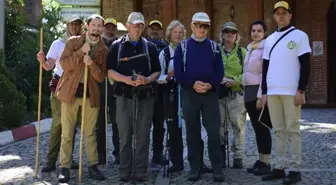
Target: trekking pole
[(106, 131), (134, 115), (82, 124), (226, 133), (44, 21), (169, 121)]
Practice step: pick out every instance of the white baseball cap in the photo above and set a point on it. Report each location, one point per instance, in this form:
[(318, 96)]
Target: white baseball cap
[(136, 18), (201, 17)]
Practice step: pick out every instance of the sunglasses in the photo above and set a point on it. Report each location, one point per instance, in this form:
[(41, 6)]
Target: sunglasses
[(227, 31), (205, 26)]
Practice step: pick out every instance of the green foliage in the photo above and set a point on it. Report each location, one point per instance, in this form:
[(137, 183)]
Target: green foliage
[(21, 66), (12, 102)]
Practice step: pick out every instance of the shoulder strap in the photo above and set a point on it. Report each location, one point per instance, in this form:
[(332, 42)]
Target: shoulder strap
[(214, 48), (120, 47), (167, 59), (184, 53), (240, 56), (145, 46), (279, 41)]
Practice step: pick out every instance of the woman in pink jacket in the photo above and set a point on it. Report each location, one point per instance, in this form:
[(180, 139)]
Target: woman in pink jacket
[(251, 81)]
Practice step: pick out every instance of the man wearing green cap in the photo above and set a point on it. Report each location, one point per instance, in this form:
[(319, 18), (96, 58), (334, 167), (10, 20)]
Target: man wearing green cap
[(286, 71), (73, 28)]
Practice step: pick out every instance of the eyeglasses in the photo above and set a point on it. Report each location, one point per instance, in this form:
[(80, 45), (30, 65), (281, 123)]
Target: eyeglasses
[(137, 26), (205, 26), (227, 31)]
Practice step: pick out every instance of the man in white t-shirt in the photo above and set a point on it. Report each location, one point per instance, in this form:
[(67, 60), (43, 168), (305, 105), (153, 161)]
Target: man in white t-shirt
[(286, 71), (73, 27)]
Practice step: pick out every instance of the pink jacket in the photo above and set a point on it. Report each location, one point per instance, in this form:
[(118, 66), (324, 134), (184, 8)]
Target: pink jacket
[(253, 65)]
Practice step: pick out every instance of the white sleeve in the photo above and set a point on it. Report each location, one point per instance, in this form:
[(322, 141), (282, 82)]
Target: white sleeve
[(162, 77), (303, 46), (266, 50), (54, 51)]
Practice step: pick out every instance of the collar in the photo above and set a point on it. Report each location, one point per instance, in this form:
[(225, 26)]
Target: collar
[(101, 44), (127, 39), (284, 28)]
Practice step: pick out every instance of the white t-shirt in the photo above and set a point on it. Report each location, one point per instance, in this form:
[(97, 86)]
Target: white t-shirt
[(163, 76), (284, 66), (55, 52)]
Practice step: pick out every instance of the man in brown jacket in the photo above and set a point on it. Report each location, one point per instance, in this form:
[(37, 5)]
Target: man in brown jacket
[(87, 49)]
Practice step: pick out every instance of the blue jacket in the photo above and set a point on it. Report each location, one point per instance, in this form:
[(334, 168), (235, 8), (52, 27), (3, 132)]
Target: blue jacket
[(201, 64)]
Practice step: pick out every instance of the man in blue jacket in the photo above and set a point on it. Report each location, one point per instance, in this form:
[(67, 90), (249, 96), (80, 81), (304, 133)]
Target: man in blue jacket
[(198, 68)]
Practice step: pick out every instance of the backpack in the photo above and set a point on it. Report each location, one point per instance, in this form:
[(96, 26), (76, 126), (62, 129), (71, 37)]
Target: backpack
[(167, 58), (145, 48), (184, 51)]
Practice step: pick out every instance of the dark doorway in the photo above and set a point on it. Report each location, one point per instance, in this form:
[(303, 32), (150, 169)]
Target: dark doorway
[(331, 44)]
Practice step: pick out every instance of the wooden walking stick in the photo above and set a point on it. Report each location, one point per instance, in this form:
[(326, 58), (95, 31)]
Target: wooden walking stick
[(82, 124), (44, 21), (106, 132)]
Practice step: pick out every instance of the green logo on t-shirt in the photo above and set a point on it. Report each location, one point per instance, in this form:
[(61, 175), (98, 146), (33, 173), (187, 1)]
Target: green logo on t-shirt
[(291, 45)]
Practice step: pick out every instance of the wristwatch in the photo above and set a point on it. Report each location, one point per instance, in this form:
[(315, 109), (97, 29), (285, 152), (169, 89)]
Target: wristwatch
[(149, 79)]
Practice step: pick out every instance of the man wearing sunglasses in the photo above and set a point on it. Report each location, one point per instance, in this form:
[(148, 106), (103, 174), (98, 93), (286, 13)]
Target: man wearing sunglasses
[(198, 68)]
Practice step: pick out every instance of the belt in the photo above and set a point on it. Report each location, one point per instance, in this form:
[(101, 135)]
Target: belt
[(56, 76)]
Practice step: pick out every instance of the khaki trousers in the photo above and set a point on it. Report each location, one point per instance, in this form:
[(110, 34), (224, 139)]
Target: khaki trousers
[(69, 115), (285, 119), (233, 112)]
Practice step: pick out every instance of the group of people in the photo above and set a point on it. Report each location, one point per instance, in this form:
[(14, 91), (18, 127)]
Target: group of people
[(151, 80)]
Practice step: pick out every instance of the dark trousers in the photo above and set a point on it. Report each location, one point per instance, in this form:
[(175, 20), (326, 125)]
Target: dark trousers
[(100, 131), (158, 122), (206, 104), (263, 135), (143, 125), (175, 141)]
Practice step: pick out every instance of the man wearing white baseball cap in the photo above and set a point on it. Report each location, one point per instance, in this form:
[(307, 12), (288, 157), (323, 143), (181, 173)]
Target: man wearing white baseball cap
[(133, 64), (199, 69)]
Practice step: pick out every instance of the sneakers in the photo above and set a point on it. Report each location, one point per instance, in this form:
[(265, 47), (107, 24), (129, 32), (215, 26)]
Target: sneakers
[(275, 174), (237, 163), (64, 175), (95, 173), (125, 176), (256, 165), (263, 169), (292, 177), (140, 177)]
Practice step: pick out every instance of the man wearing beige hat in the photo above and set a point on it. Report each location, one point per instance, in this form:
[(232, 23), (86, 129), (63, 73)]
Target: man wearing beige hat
[(198, 68), (286, 71), (73, 28), (134, 66), (231, 98)]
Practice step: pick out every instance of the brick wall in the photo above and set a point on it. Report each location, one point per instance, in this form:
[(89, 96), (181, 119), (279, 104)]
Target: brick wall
[(118, 9), (312, 17), (309, 16), (222, 15)]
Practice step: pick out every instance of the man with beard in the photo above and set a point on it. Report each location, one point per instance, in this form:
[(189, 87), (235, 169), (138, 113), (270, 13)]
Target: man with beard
[(88, 50), (155, 27), (110, 29), (73, 28)]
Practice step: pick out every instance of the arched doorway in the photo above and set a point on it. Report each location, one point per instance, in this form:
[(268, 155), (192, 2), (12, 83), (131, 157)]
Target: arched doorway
[(331, 53)]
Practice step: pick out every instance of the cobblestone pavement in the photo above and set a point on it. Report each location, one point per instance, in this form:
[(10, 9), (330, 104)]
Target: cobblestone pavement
[(318, 128)]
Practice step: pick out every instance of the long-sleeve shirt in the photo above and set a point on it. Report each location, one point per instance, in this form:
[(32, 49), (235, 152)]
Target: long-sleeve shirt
[(200, 64)]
